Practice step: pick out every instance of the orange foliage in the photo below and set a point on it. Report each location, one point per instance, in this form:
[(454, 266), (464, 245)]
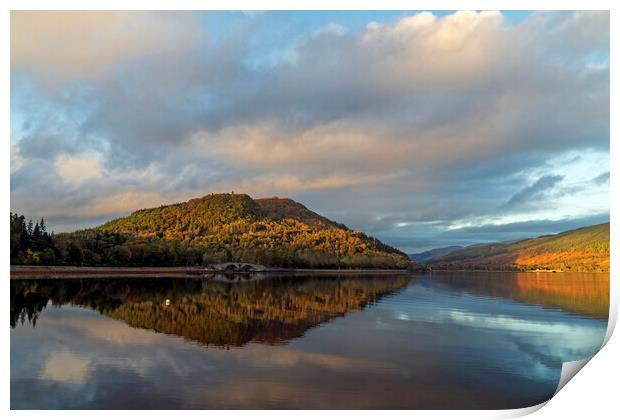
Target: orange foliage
[(566, 259)]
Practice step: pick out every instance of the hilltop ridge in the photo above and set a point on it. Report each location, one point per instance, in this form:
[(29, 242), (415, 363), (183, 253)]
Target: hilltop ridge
[(282, 208)]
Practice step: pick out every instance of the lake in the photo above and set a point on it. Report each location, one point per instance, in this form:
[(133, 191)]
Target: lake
[(450, 340)]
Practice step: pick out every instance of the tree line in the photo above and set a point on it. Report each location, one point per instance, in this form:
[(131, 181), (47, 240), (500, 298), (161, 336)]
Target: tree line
[(31, 243), (289, 244)]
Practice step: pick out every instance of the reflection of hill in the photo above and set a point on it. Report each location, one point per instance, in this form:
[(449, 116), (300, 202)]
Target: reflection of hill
[(582, 293), (269, 311)]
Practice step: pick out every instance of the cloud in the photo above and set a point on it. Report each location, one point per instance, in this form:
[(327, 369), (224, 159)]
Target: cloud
[(534, 191), (60, 46), (16, 160), (424, 119), (76, 169), (584, 30), (601, 179), (119, 203), (535, 227), (330, 29)]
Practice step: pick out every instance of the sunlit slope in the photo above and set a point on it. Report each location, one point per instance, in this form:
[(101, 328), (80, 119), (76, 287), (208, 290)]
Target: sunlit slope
[(272, 231), (584, 249), (282, 208)]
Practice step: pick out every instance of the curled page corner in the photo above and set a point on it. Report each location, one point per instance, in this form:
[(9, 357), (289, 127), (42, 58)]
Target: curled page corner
[(570, 369)]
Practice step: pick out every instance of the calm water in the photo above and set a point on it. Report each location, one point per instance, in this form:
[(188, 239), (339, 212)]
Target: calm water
[(448, 340)]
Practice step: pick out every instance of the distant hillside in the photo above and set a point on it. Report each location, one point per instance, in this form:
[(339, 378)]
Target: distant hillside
[(425, 256), (584, 249), (228, 227)]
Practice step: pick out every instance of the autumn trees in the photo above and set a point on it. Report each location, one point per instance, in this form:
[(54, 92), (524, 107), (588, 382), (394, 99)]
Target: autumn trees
[(219, 228)]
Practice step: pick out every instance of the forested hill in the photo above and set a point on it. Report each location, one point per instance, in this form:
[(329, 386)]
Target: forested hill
[(226, 227), (584, 249), (216, 213)]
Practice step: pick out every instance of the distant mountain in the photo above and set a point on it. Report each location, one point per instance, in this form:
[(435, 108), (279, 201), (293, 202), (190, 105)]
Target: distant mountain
[(584, 249), (425, 256), (229, 227)]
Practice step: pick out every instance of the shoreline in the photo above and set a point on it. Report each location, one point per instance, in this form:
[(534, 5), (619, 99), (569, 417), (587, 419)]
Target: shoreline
[(33, 272), (481, 270), (23, 272)]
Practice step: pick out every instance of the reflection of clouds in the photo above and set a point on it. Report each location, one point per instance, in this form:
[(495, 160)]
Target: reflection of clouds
[(270, 393), (261, 356), (104, 332), (409, 350), (514, 324), (563, 340), (536, 369), (65, 367), (105, 342), (105, 329), (527, 340), (102, 348), (580, 335), (539, 343)]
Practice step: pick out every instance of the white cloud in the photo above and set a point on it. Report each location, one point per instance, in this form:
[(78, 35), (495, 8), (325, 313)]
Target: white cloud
[(75, 169), (330, 29), (425, 118), (17, 161), (122, 202), (84, 44)]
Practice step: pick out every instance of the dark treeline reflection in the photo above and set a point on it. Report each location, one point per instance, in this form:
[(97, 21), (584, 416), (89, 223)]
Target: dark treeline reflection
[(585, 294), (212, 313)]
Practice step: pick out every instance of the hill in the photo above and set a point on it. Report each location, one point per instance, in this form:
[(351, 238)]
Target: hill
[(425, 256), (227, 227), (584, 249)]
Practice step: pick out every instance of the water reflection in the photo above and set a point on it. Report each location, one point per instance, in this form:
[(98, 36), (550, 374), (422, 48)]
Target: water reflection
[(581, 293), (272, 310), (433, 341)]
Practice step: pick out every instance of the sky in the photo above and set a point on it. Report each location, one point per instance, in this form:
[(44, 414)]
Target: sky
[(423, 129)]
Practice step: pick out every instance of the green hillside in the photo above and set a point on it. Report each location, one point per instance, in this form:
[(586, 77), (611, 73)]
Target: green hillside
[(227, 227), (584, 249)]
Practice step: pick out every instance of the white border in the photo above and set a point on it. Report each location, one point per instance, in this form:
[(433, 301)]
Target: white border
[(592, 395)]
